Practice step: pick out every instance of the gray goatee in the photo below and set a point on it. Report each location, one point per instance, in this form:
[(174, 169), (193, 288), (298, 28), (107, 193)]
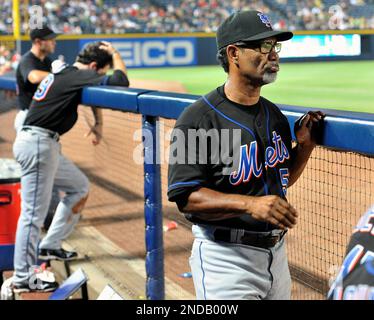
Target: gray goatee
[(269, 77)]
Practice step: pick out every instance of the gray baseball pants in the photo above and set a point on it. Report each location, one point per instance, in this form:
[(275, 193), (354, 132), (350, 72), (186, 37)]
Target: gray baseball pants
[(18, 124), (43, 166), (230, 271)]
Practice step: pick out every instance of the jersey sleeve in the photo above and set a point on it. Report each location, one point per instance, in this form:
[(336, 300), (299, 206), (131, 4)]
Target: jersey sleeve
[(186, 174), (25, 67), (357, 270), (88, 77), (286, 134), (118, 78), (91, 77), (48, 62)]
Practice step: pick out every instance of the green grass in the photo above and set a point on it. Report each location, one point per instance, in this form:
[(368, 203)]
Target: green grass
[(327, 85)]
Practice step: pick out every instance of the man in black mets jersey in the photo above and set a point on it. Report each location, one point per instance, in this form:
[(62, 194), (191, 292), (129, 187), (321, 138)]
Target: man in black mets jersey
[(355, 280), (234, 190)]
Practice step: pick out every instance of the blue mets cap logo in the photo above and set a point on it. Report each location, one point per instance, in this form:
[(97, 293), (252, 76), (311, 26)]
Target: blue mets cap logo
[(264, 19)]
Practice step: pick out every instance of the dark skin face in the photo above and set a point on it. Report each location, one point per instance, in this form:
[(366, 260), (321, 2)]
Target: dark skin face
[(249, 70), (251, 65)]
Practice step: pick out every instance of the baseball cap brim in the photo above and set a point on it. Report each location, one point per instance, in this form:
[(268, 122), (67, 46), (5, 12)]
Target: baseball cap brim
[(50, 36), (279, 35)]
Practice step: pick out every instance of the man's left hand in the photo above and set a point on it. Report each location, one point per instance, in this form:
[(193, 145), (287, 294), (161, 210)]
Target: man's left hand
[(304, 126)]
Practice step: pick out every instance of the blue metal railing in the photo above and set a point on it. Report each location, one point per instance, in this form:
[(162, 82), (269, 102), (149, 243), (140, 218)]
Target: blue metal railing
[(348, 131)]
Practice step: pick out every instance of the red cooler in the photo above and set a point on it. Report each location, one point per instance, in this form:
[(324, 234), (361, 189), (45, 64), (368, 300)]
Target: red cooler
[(10, 208)]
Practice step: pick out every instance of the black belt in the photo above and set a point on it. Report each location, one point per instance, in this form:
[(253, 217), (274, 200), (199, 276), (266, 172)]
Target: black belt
[(250, 238), (42, 131)]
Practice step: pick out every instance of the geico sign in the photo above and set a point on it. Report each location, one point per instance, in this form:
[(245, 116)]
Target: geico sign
[(156, 53)]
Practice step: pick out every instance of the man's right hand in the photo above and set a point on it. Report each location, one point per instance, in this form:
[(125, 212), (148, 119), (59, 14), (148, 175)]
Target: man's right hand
[(108, 47), (273, 209), (118, 63)]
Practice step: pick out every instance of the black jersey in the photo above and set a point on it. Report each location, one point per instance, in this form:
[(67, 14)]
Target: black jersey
[(355, 280), (259, 165), (25, 88), (56, 101)]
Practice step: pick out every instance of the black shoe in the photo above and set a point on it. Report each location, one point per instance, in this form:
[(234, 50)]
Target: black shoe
[(40, 286), (57, 254)]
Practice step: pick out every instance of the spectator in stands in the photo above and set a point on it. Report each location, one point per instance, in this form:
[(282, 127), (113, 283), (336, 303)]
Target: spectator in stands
[(114, 16), (5, 60)]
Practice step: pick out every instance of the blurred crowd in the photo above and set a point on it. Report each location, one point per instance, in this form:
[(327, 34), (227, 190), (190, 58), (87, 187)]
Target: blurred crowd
[(328, 15), (9, 59), (159, 16), (147, 16)]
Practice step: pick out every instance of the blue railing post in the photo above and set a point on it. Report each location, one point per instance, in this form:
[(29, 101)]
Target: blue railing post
[(155, 287)]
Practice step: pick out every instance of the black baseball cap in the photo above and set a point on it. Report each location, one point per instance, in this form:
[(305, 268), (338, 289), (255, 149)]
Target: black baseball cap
[(247, 26), (44, 33)]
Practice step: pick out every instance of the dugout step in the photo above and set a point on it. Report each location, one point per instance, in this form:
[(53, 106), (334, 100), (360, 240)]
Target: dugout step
[(78, 280), (29, 295), (52, 256), (106, 263), (68, 288), (65, 263)]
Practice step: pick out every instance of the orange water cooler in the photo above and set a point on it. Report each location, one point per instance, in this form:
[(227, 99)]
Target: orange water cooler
[(10, 207)]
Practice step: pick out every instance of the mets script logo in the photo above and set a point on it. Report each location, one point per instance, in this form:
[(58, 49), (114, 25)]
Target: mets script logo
[(248, 162), (264, 19)]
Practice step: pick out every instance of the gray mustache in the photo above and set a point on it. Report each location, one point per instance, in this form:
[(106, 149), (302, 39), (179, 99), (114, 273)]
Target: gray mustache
[(274, 64), (269, 66)]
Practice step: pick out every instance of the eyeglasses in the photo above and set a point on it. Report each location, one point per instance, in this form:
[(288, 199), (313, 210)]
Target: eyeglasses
[(265, 47)]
